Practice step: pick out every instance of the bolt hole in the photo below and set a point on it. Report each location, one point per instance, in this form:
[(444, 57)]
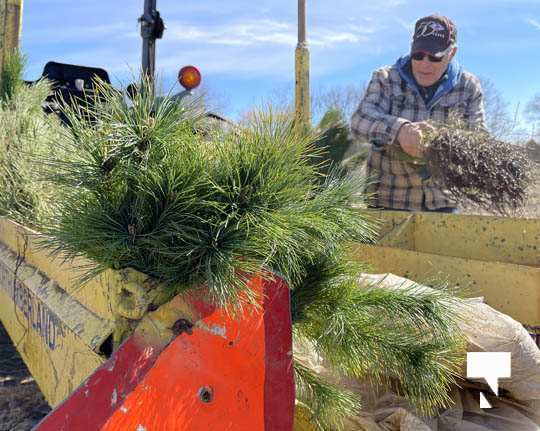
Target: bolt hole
[(107, 347), (206, 394), (181, 326)]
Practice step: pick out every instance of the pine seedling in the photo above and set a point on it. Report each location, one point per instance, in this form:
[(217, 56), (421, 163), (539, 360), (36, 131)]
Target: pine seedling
[(26, 133), (405, 335), (154, 195), (472, 165), (328, 405), (11, 76), (141, 188)]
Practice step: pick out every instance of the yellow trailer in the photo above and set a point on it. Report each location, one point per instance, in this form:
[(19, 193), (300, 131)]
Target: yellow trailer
[(497, 258)]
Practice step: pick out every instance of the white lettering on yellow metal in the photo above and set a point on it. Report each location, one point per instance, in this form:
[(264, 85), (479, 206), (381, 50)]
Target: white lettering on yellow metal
[(40, 318)]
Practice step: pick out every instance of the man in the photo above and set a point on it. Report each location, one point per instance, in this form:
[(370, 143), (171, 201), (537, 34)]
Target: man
[(427, 84)]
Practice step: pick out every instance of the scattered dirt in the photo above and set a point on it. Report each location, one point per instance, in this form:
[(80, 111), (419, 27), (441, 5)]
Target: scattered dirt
[(533, 206), (530, 210), (21, 403)]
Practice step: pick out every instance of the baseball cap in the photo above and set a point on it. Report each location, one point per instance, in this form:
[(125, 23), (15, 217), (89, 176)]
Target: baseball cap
[(433, 34)]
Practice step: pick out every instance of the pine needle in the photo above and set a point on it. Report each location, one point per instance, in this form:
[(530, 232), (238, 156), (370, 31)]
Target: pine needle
[(406, 335), (26, 133), (328, 405)]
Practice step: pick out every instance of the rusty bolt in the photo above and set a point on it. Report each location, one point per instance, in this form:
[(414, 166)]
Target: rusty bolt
[(181, 326), (206, 394), (152, 307)]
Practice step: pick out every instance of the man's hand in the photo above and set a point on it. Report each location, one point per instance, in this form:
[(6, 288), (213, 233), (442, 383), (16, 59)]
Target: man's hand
[(410, 138)]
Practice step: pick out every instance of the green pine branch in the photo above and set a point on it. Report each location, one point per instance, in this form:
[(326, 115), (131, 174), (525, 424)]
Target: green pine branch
[(26, 134), (139, 186)]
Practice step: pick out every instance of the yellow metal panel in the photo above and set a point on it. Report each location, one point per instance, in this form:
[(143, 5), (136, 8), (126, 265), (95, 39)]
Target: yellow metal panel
[(487, 238), (97, 294), (496, 239), (509, 288), (10, 27), (55, 335), (31, 290), (396, 228)]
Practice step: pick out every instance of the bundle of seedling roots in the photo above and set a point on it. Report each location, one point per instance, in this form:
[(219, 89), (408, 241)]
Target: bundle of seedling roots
[(473, 166)]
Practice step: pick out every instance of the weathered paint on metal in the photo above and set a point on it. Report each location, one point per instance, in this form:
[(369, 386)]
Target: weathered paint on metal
[(486, 238), (56, 357), (509, 288), (491, 239), (133, 292), (11, 12), (225, 372), (49, 310), (96, 295), (57, 337)]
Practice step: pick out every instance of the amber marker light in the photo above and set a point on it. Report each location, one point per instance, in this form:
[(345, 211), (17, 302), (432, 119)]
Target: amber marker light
[(189, 77)]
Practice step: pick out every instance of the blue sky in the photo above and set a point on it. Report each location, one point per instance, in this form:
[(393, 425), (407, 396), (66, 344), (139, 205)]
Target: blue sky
[(245, 49)]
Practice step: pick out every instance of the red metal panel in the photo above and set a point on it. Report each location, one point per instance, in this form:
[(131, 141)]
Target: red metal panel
[(226, 373), (89, 407), (279, 393)]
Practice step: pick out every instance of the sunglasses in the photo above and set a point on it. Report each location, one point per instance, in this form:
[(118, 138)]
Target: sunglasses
[(419, 56)]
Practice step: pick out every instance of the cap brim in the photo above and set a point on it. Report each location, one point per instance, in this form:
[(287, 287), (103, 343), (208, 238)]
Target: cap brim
[(425, 45)]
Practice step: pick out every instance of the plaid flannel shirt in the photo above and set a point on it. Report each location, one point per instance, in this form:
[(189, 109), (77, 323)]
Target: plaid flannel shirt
[(390, 101)]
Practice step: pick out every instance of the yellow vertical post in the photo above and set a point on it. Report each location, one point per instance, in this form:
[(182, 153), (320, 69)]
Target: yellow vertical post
[(302, 101), (10, 27)]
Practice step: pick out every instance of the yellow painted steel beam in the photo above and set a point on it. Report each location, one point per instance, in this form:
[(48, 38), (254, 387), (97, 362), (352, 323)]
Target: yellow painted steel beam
[(11, 13), (302, 95), (64, 330), (509, 288), (96, 295), (302, 99), (487, 238), (31, 291), (57, 337)]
